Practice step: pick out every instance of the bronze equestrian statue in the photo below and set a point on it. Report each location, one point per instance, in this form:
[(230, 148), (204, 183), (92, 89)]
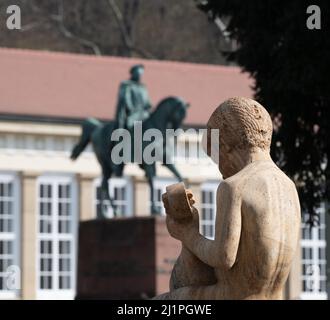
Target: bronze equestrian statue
[(133, 105)]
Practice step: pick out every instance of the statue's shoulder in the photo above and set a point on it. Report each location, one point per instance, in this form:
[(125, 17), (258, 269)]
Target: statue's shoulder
[(227, 187), (125, 83), (130, 83), (234, 184)]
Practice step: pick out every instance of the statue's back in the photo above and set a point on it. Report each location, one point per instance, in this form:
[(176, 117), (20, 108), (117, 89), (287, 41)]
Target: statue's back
[(270, 230)]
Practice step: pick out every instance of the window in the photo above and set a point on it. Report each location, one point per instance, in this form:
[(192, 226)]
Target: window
[(121, 191), (208, 209), (159, 189), (57, 224), (9, 232), (43, 144), (313, 246)]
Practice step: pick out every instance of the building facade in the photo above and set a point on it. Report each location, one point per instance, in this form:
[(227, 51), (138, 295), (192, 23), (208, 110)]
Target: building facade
[(44, 195)]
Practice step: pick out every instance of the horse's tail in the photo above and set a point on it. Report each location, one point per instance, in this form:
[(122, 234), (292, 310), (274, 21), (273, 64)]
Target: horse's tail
[(88, 127)]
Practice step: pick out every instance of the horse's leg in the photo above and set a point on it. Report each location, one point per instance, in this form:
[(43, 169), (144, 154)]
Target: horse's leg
[(112, 204), (150, 174), (85, 137), (105, 194), (154, 210)]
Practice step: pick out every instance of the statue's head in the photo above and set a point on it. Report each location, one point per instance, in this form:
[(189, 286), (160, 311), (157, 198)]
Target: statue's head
[(243, 126), (136, 72)]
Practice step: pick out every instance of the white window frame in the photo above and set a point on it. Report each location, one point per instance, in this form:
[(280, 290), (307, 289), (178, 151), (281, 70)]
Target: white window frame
[(116, 182), (35, 144), (315, 244), (15, 236), (209, 186), (160, 184), (55, 237)]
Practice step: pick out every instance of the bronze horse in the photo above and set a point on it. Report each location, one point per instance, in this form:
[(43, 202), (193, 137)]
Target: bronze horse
[(169, 114)]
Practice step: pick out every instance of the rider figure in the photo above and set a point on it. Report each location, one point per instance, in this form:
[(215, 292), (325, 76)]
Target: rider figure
[(133, 100)]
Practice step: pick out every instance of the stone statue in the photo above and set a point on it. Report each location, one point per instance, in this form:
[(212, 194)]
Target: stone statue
[(133, 100), (257, 217)]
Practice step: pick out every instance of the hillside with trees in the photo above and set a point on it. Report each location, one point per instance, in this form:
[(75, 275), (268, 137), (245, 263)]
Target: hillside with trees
[(170, 30)]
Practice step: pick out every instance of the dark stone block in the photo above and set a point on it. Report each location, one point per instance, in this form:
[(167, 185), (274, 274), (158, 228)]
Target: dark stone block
[(124, 258)]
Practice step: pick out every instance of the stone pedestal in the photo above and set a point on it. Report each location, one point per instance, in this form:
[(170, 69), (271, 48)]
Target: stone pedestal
[(125, 258)]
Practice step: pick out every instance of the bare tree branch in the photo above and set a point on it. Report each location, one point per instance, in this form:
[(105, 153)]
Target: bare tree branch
[(223, 28), (59, 18), (31, 26), (34, 8), (124, 33), (131, 8)]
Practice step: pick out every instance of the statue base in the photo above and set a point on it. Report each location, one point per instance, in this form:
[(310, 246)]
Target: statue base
[(125, 258)]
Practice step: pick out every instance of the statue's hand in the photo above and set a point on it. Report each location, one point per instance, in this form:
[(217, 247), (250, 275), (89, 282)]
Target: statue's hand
[(183, 230)]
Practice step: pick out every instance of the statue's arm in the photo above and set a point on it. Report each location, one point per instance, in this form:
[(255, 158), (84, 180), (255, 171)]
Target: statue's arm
[(220, 252), (148, 104), (121, 109), (127, 96)]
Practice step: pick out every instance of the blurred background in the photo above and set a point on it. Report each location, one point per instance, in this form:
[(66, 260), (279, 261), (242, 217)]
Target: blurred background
[(63, 61)]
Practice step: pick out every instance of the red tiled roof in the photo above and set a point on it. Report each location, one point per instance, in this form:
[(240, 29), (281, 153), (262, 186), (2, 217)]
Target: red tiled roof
[(77, 86)]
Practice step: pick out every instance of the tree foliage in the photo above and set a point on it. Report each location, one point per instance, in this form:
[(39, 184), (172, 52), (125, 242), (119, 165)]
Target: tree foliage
[(291, 68)]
